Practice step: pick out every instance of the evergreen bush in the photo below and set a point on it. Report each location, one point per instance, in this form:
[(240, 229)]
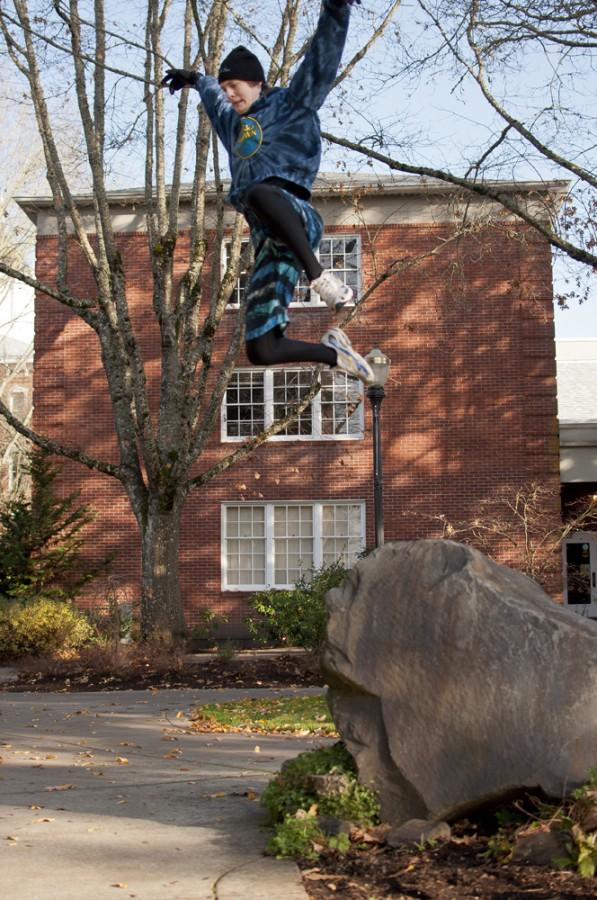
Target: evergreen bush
[(41, 540)]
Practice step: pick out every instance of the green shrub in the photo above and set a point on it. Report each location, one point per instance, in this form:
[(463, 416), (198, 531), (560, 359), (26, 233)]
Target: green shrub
[(296, 838), (207, 627), (293, 804), (41, 627), (296, 617), (41, 540), (291, 789)]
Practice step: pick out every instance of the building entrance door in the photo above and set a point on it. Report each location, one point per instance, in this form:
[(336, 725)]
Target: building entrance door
[(580, 573)]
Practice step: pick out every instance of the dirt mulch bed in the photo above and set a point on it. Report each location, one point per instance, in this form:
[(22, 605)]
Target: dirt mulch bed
[(452, 870), (243, 671)]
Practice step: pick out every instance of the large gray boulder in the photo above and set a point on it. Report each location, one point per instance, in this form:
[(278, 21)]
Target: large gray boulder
[(455, 681)]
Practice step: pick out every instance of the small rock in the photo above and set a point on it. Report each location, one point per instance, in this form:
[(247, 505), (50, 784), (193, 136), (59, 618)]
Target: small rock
[(331, 826), (328, 785), (418, 831), (540, 846), (584, 811), (8, 675)]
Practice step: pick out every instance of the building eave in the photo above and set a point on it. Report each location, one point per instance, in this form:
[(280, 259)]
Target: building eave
[(325, 186)]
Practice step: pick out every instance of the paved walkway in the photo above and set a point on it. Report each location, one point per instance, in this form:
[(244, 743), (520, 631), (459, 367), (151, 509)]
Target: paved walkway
[(105, 795)]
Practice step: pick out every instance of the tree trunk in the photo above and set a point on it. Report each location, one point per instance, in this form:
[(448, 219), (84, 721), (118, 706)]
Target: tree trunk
[(161, 602)]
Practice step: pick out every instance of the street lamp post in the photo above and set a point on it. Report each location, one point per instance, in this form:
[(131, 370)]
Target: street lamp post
[(380, 364)]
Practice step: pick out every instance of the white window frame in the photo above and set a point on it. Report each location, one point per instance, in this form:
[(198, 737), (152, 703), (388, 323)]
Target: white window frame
[(21, 394), (317, 512), (12, 469), (268, 401), (311, 301)]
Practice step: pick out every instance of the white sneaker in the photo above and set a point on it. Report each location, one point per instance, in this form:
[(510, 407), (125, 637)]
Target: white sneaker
[(332, 291), (349, 360)]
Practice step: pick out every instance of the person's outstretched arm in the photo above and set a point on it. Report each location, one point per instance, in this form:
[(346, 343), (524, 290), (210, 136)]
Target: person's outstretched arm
[(314, 77), (218, 107)]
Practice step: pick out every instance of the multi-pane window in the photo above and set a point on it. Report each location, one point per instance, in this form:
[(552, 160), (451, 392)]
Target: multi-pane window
[(293, 542), (289, 387), (341, 256), (244, 404), (241, 282), (256, 398), (14, 467), (18, 403), (340, 253), (273, 544), (341, 529), (245, 544)]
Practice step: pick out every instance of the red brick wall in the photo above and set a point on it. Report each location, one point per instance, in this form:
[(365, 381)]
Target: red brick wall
[(470, 407)]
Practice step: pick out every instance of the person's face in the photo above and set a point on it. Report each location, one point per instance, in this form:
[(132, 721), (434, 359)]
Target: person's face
[(242, 94)]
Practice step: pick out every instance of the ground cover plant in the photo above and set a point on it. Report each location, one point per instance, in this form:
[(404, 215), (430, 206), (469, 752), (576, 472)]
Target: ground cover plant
[(267, 715), (301, 803)]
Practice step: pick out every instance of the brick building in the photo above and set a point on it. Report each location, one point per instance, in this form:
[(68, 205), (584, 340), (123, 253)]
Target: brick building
[(470, 406)]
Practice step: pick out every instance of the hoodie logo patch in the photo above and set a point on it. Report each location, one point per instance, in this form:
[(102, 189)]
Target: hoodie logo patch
[(250, 138)]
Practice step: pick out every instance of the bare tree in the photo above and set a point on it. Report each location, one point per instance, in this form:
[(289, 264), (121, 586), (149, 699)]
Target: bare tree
[(53, 47), (523, 521), (533, 64)]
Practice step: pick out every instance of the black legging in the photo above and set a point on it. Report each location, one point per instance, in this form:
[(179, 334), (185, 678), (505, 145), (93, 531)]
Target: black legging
[(272, 347), (277, 213), (268, 203)]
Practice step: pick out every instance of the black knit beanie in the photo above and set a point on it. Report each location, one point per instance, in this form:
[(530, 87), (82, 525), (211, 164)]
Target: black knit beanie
[(241, 65)]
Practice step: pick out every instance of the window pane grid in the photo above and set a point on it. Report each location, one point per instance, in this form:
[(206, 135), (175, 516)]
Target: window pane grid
[(341, 404), (240, 287), (339, 254), (290, 387), (273, 545), (341, 533), (255, 398), (245, 404), (245, 544), (293, 542)]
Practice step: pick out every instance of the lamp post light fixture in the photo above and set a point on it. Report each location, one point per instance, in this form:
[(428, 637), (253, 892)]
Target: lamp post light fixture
[(380, 364)]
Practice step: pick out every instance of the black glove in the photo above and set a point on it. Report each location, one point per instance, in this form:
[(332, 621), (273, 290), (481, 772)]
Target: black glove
[(176, 79)]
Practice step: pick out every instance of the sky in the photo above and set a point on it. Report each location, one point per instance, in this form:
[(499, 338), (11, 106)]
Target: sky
[(580, 321), (449, 121)]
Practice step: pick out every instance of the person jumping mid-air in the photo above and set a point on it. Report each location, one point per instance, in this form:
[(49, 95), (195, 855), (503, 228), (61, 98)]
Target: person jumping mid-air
[(273, 140)]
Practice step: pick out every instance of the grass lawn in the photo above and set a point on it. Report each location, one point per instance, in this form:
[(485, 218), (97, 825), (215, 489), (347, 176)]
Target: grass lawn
[(271, 715)]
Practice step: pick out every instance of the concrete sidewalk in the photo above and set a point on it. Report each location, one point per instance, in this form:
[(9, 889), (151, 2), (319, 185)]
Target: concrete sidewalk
[(105, 795)]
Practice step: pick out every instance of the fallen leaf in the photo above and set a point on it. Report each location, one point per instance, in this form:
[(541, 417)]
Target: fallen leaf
[(119, 884), (257, 749), (180, 714), (316, 875), (172, 754), (39, 821), (61, 787), (122, 761), (11, 838)]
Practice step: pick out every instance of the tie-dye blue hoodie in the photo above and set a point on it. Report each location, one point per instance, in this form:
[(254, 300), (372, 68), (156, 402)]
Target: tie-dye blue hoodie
[(280, 134)]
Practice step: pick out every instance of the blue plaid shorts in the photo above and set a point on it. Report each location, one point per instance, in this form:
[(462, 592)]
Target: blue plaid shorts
[(271, 285)]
